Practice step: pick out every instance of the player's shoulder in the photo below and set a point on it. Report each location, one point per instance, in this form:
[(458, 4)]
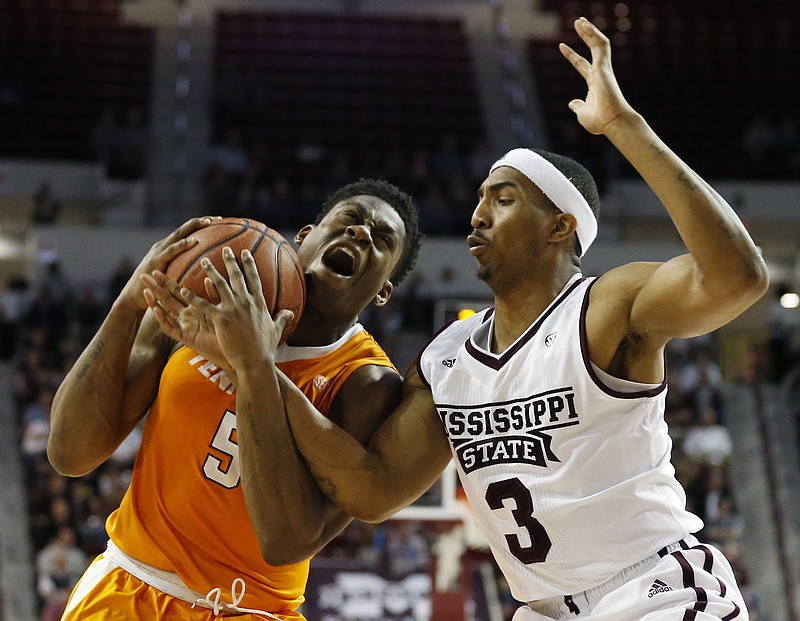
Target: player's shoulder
[(373, 377)]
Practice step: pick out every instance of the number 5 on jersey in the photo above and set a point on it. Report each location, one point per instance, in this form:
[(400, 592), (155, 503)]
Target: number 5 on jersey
[(225, 471)]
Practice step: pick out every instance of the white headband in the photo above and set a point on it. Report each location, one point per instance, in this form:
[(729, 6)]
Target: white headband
[(556, 187)]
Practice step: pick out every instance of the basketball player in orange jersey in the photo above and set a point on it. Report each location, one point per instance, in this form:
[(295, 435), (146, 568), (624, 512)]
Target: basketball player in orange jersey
[(551, 403), (190, 540)]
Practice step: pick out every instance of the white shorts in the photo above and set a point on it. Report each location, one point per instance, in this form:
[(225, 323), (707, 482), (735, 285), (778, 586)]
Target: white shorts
[(687, 581)]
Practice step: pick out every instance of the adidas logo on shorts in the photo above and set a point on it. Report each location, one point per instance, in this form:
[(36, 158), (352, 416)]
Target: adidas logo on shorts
[(658, 587)]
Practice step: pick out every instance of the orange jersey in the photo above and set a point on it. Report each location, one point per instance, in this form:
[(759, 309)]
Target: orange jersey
[(185, 511)]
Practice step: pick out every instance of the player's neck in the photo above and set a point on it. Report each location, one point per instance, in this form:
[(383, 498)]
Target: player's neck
[(516, 308), (316, 329)]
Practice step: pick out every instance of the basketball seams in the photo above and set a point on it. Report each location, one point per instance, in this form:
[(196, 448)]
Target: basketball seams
[(242, 230), (275, 306)]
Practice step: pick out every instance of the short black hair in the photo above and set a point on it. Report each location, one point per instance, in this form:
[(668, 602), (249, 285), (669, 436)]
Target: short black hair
[(401, 202), (580, 177)]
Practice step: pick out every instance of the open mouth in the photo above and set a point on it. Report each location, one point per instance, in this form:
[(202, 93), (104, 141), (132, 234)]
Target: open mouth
[(340, 260)]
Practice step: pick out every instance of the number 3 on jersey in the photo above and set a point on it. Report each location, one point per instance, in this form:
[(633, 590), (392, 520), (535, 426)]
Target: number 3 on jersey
[(513, 489), (225, 472)]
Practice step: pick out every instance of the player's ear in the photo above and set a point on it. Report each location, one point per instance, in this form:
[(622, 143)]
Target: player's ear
[(302, 233), (384, 294), (564, 227)]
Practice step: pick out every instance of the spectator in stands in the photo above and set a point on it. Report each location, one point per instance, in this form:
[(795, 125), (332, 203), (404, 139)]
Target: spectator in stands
[(116, 281), (783, 323), (105, 139), (87, 314), (701, 370), (407, 549), (229, 155), (59, 566), (46, 205), (281, 208), (15, 303), (787, 145), (435, 214), (700, 384), (34, 442), (221, 191), (726, 524), (479, 160), (708, 440), (758, 143), (132, 141), (56, 284), (448, 159)]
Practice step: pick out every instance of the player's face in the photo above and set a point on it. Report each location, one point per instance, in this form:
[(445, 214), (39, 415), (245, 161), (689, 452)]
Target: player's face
[(510, 227), (351, 254)]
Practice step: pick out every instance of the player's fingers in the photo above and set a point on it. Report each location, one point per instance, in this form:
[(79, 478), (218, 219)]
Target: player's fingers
[(181, 238), (251, 274), (168, 297), (235, 276), (165, 320), (192, 225), (282, 319), (195, 300), (220, 284), (598, 43), (576, 60), (166, 282), (211, 291)]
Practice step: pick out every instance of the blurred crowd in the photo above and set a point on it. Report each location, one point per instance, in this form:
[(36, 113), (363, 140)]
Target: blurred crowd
[(244, 177)]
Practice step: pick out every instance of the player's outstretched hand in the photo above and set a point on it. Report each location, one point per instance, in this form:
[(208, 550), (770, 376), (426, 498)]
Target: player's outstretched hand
[(604, 102)]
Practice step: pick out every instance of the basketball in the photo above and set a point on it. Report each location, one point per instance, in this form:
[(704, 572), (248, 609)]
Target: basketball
[(282, 276)]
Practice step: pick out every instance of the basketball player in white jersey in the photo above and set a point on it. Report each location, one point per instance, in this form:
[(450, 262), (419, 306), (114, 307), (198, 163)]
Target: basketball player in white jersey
[(552, 401)]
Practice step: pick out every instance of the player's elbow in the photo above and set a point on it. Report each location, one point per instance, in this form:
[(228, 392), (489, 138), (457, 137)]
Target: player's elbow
[(373, 514), (65, 462), (277, 556), (288, 548), (753, 279)]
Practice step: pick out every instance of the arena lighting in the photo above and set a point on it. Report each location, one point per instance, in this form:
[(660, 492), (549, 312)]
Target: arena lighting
[(790, 300)]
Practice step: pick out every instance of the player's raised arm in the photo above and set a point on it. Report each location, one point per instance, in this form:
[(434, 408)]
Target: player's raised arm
[(113, 382), (724, 273), (403, 459)]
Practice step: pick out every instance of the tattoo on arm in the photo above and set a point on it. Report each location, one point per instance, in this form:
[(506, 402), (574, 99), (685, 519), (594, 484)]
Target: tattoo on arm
[(92, 357), (731, 232), (691, 185), (251, 424)]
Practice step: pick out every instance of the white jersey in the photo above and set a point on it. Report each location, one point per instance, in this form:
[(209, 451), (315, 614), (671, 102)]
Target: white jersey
[(569, 478)]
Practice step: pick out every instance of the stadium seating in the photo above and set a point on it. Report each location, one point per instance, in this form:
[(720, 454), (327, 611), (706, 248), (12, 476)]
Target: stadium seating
[(698, 69), (354, 84), (64, 62)]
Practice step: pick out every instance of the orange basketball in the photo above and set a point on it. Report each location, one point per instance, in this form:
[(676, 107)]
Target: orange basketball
[(282, 276)]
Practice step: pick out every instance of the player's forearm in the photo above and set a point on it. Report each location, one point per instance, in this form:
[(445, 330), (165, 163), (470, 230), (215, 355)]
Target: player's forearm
[(287, 510), (348, 474), (85, 419), (726, 257)]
